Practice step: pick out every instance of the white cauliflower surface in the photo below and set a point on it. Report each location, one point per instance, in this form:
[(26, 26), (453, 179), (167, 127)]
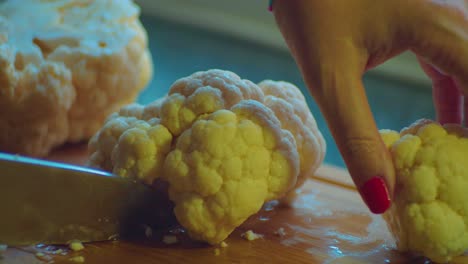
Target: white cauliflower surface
[(225, 146), (429, 215), (65, 65)]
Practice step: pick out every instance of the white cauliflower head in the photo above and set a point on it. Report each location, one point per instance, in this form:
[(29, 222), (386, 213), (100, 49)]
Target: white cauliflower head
[(429, 215), (65, 65), (221, 143)]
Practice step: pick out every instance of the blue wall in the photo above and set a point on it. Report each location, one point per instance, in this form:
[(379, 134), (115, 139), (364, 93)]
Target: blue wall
[(179, 50)]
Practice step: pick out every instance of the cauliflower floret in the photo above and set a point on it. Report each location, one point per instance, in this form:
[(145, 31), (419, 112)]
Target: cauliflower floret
[(64, 67), (223, 148), (429, 215), (233, 89), (141, 150), (138, 120), (203, 93), (226, 166), (289, 105), (101, 145)]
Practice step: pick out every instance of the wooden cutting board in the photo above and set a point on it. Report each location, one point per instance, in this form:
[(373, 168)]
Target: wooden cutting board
[(328, 223)]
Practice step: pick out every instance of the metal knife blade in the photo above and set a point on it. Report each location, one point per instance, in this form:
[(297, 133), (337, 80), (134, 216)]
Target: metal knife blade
[(54, 203)]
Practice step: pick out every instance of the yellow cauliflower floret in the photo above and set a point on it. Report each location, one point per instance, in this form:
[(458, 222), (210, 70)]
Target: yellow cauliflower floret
[(141, 150), (65, 65), (226, 166), (203, 93), (429, 215), (223, 147), (132, 143), (102, 144)]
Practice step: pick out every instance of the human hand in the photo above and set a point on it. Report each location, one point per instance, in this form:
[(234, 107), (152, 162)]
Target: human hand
[(335, 42)]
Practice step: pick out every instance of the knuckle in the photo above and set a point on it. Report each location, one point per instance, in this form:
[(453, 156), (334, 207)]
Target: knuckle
[(360, 146)]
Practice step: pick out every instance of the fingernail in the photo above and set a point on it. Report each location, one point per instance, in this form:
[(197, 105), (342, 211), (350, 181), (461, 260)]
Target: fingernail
[(375, 195)]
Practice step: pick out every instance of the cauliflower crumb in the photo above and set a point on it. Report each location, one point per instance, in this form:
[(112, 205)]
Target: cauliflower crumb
[(217, 252), (114, 237), (169, 240), (280, 232), (58, 251), (223, 244), (148, 231), (429, 214), (76, 246), (250, 235), (77, 259), (41, 255)]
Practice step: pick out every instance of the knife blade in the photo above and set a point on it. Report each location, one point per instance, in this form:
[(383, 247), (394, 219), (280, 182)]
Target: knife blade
[(54, 203)]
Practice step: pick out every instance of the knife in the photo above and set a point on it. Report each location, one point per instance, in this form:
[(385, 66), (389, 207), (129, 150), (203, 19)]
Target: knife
[(54, 203)]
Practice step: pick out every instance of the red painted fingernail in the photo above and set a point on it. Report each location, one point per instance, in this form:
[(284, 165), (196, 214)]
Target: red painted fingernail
[(375, 194)]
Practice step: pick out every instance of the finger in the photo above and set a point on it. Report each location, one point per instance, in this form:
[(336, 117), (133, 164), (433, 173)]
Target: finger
[(448, 100), (443, 42), (465, 111), (348, 114), (332, 70)]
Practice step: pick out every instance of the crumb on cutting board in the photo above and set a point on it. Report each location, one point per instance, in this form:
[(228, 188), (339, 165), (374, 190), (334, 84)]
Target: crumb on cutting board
[(280, 232), (148, 231), (169, 240), (114, 237), (41, 256), (223, 244), (76, 246), (250, 235), (217, 251), (44, 257), (77, 259)]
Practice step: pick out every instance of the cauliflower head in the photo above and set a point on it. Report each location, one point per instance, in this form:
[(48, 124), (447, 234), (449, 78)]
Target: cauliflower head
[(223, 144), (66, 65), (429, 215)]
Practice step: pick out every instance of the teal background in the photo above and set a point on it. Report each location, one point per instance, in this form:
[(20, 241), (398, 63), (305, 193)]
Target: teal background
[(179, 50)]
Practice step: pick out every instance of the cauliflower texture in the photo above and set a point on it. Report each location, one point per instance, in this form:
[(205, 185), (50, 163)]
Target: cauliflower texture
[(289, 105), (430, 211), (65, 65), (226, 166), (224, 145)]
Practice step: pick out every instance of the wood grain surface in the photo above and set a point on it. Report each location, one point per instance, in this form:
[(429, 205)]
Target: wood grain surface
[(327, 223)]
